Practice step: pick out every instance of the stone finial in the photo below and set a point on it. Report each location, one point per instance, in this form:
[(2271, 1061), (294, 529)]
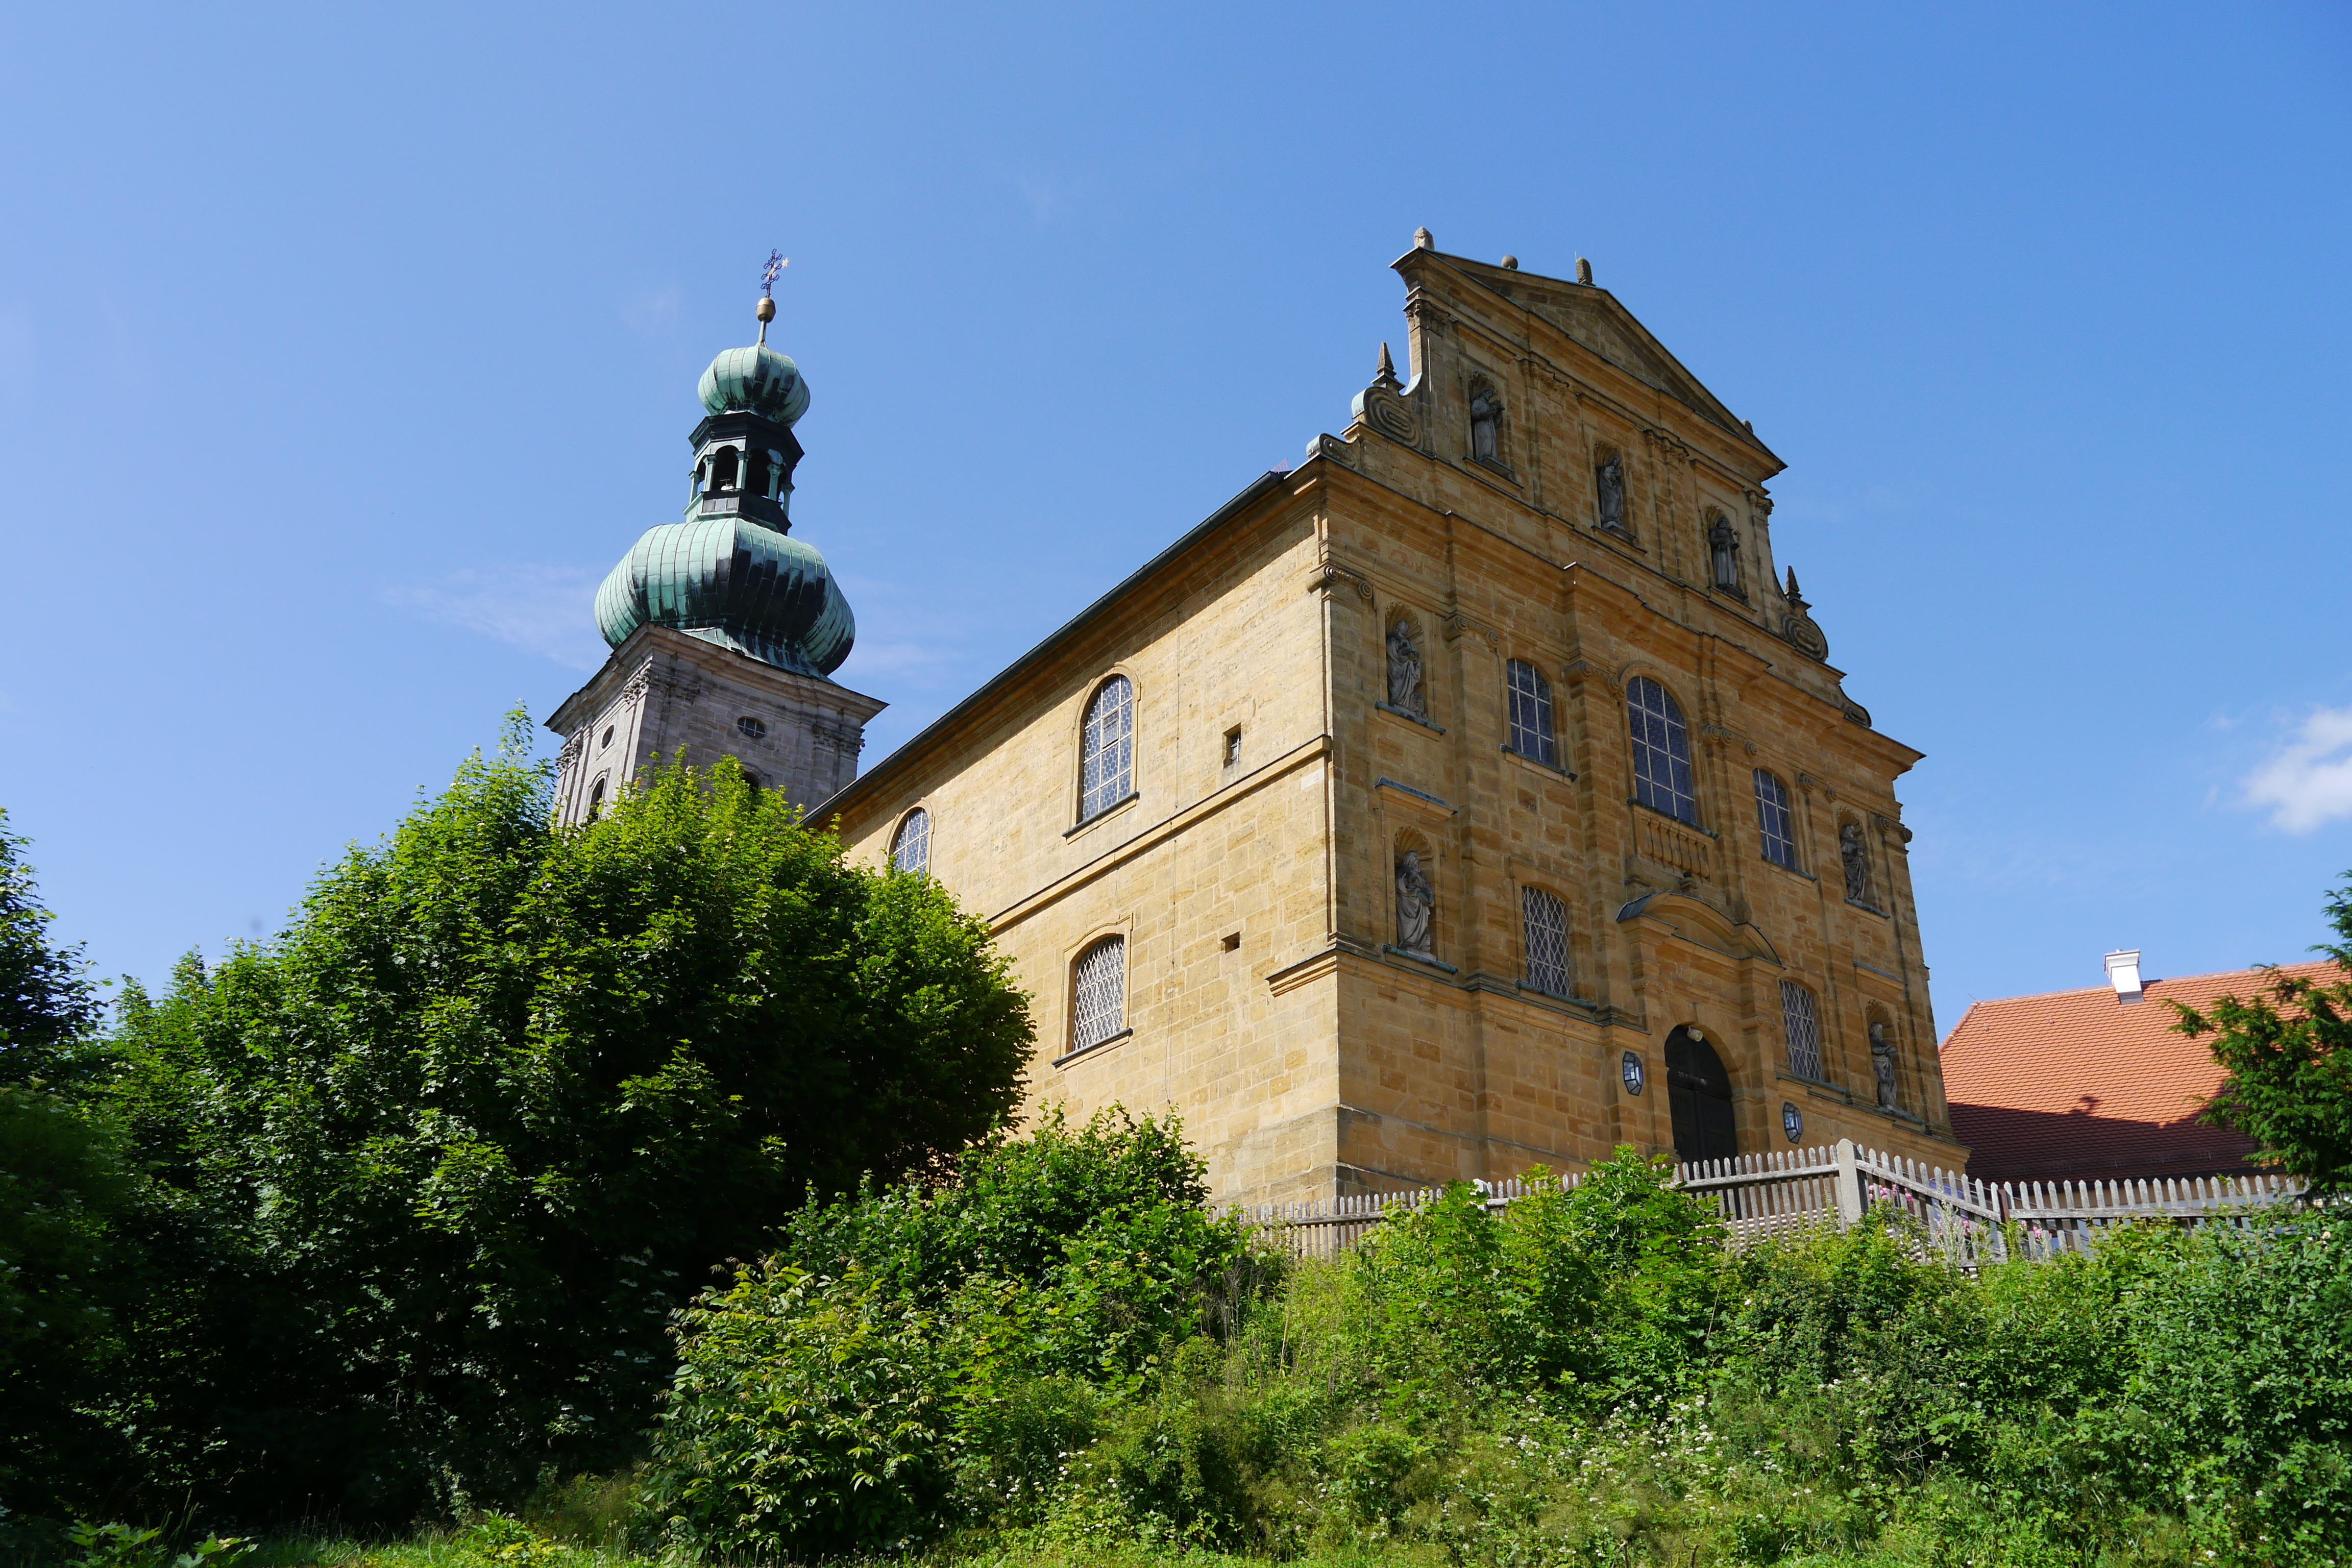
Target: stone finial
[(1423, 241), (1792, 585), (1387, 365), (1583, 270), (1510, 264)]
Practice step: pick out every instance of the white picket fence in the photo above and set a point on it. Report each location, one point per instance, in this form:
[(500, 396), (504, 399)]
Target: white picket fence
[(1970, 1221)]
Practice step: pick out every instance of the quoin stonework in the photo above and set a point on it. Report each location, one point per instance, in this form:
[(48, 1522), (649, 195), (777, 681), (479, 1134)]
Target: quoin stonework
[(1477, 795)]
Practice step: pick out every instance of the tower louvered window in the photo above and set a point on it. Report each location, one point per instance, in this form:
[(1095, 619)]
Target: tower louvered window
[(1772, 820), (1530, 713), (1662, 771), (1802, 1026), (1107, 747), (1545, 920), (911, 849), (1100, 995)]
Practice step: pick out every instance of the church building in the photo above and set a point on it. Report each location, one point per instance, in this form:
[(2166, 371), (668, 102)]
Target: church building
[(1472, 797)]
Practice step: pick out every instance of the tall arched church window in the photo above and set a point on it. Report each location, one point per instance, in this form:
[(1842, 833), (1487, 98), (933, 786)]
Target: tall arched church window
[(596, 800), (1800, 1025), (1662, 771), (1772, 820), (1107, 748), (1544, 920), (1098, 993), (1698, 1098), (1530, 713), (910, 850)]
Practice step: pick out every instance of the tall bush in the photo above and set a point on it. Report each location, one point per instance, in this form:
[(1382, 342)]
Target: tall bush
[(433, 1166)]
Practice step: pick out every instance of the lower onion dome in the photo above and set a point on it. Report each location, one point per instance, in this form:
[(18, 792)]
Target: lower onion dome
[(732, 582)]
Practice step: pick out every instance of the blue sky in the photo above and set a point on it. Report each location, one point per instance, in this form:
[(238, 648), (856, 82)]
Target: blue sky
[(341, 351)]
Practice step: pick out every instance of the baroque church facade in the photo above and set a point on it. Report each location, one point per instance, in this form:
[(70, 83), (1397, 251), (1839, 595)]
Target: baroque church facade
[(1472, 797)]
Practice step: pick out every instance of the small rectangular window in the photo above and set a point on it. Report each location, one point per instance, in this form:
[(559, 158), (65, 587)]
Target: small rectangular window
[(1772, 820), (1233, 746), (1545, 921), (1232, 942), (1802, 1026), (1530, 697)]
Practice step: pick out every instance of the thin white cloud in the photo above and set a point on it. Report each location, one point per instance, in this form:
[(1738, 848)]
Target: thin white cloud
[(2309, 782), (547, 609)]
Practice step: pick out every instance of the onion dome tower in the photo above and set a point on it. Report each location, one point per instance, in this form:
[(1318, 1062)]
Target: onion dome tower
[(725, 630)]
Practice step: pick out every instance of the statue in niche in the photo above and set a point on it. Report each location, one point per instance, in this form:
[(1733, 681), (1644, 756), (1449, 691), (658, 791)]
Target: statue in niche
[(1857, 863), (1723, 545), (1485, 416), (1415, 898), (1882, 1064), (1609, 480), (1405, 671)]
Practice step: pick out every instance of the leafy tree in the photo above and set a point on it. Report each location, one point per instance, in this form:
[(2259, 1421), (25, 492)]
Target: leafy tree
[(47, 1010), (64, 1261), (2289, 1055), (437, 1163)]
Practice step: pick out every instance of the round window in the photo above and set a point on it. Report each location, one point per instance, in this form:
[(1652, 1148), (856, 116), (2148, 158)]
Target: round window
[(607, 740), (1630, 1070), (1792, 1122), (756, 729)]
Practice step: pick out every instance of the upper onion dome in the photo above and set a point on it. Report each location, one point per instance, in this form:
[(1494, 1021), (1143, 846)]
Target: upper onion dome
[(756, 380), (730, 581)]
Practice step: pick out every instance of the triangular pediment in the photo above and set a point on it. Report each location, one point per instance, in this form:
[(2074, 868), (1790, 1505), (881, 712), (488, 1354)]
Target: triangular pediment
[(1593, 318)]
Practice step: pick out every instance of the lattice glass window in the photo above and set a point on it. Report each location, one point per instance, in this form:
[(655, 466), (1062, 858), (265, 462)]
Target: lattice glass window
[(1100, 1008), (1662, 771), (911, 849), (1545, 920), (1804, 1027), (1530, 713), (1772, 820), (1107, 774)]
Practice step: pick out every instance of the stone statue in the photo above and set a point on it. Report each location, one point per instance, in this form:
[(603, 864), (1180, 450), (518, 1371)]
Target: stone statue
[(1483, 413), (1857, 863), (1724, 545), (1405, 671), (1882, 1064), (1415, 898), (1610, 480)]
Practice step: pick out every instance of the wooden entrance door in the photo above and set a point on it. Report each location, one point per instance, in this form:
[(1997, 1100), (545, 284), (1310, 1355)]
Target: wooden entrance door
[(1698, 1093)]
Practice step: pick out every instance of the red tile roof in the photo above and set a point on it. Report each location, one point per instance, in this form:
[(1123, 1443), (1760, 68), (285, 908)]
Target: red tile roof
[(2075, 1085)]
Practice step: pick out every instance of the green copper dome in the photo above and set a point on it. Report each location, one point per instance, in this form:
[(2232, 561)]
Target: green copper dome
[(733, 581), (757, 380)]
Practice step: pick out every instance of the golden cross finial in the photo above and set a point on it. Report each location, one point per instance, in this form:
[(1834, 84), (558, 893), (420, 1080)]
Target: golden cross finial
[(777, 262)]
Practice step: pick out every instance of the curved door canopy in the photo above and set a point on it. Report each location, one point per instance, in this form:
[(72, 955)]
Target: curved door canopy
[(1698, 1093)]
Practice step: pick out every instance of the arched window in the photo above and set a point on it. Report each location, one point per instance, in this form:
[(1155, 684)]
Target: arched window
[(1698, 1098), (910, 850), (723, 469), (1107, 748), (1801, 1023), (1530, 713), (1544, 919), (1772, 820), (1662, 774), (596, 800), (1098, 993)]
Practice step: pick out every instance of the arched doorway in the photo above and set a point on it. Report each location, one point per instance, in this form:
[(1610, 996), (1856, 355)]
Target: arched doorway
[(1699, 1095)]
